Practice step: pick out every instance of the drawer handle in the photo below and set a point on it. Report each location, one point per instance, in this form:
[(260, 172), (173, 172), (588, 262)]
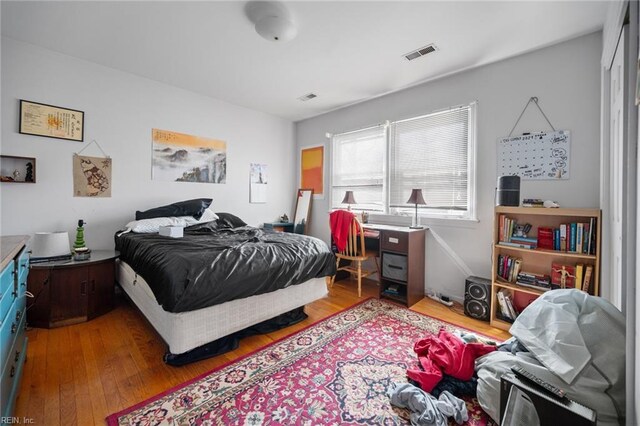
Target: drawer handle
[(18, 316), (83, 288), (394, 240), (14, 327), (13, 371), (395, 267), (17, 355)]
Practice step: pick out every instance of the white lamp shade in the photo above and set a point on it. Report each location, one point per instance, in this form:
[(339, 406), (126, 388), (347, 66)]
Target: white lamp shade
[(50, 244), (276, 28)]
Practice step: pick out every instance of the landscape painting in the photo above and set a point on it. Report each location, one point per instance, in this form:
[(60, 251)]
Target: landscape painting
[(179, 157)]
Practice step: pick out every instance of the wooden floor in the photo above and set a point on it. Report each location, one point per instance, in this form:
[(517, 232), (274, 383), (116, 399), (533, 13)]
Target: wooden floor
[(77, 375)]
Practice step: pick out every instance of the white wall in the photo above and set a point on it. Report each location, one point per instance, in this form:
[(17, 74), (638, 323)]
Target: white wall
[(565, 78), (120, 111)]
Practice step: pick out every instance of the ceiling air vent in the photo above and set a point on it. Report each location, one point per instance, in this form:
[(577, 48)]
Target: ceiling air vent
[(420, 52), (308, 97)]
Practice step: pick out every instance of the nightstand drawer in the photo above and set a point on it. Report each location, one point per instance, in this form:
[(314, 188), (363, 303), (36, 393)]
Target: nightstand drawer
[(394, 241)]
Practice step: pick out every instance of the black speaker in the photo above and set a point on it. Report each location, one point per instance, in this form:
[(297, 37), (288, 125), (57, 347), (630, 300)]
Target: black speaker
[(508, 191), (477, 298)]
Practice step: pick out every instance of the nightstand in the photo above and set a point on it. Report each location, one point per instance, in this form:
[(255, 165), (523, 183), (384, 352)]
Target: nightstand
[(72, 292), (279, 226)]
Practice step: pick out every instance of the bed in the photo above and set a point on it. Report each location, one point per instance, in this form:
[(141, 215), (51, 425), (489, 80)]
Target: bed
[(205, 288)]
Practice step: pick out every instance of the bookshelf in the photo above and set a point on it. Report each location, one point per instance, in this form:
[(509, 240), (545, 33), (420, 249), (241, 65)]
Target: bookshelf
[(539, 261)]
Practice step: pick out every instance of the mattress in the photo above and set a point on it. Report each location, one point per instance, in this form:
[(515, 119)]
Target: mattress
[(183, 331), (211, 264)]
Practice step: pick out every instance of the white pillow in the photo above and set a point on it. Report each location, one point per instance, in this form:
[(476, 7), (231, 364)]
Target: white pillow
[(148, 226)]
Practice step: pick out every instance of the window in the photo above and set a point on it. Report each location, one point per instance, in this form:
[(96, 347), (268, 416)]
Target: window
[(358, 165), (435, 152)]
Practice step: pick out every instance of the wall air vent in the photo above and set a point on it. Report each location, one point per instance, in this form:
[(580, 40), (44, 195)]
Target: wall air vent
[(307, 97), (420, 52)]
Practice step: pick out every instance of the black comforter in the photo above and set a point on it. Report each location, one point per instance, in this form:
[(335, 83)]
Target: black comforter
[(209, 265)]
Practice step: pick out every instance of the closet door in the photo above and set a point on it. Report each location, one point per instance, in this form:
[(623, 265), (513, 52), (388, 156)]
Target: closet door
[(616, 168)]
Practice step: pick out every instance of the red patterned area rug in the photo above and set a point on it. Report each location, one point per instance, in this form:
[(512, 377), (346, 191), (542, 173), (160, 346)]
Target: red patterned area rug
[(335, 372)]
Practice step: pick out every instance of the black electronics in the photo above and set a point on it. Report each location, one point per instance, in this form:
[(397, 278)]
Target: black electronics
[(523, 374), (508, 191), (477, 298), (522, 402)]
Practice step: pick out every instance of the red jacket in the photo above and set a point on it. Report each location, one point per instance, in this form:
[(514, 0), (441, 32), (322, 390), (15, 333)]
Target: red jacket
[(445, 353), (339, 222)]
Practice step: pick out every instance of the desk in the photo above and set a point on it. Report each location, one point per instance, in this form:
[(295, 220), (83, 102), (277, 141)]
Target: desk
[(402, 252)]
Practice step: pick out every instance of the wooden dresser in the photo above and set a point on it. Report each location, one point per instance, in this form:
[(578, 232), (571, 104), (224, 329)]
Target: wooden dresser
[(13, 340)]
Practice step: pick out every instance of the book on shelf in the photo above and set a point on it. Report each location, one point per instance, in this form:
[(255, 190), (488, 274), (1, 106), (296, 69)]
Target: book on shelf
[(518, 245), (562, 276), (579, 271), (502, 303), (573, 228), (512, 311), (545, 238), (588, 272), (563, 237)]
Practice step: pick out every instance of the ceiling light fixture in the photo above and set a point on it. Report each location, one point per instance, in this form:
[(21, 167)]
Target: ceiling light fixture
[(272, 20)]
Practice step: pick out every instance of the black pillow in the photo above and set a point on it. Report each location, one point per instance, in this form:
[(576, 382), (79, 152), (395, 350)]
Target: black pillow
[(193, 208), (230, 220)]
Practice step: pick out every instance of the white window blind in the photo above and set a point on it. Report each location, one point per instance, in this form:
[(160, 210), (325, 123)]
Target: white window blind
[(358, 165), (433, 153)]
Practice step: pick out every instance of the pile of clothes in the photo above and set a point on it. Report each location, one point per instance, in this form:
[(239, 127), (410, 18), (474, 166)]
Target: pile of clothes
[(570, 339), (446, 373)]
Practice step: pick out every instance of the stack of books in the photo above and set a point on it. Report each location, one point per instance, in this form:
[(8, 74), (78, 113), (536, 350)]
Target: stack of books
[(532, 202), (392, 290), (529, 279)]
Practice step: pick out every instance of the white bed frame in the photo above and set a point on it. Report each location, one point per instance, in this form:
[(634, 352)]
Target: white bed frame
[(184, 331)]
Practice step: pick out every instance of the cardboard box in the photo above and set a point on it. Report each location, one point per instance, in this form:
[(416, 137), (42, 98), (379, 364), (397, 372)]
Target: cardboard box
[(172, 231)]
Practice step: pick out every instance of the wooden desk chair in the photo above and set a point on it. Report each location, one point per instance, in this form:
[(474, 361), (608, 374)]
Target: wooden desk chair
[(356, 253)]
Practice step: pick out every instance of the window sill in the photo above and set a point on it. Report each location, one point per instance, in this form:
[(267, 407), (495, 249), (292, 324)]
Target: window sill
[(403, 220)]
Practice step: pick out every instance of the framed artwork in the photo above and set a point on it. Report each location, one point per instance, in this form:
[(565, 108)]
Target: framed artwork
[(258, 183), (312, 170), (178, 157), (91, 176), (51, 121)]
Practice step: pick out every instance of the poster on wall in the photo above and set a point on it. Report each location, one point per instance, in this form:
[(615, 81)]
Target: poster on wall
[(312, 170), (51, 121), (535, 156), (178, 157), (91, 176), (258, 183)]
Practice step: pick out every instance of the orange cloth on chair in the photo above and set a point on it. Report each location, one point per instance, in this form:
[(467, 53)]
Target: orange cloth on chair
[(339, 222)]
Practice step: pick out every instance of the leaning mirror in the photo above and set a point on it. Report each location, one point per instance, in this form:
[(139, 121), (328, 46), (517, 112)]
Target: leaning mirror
[(303, 211)]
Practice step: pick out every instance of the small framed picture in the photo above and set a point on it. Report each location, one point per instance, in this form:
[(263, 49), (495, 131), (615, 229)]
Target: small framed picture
[(51, 121)]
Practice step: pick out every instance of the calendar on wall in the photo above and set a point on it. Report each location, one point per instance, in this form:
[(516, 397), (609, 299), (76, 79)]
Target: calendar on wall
[(535, 156)]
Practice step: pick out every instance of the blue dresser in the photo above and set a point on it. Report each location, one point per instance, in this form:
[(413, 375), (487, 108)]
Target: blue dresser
[(13, 317)]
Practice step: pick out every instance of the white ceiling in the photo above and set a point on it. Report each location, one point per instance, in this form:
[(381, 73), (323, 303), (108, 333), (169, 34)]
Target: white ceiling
[(345, 52)]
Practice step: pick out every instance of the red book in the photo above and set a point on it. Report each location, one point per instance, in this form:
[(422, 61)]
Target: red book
[(563, 276), (545, 238)]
